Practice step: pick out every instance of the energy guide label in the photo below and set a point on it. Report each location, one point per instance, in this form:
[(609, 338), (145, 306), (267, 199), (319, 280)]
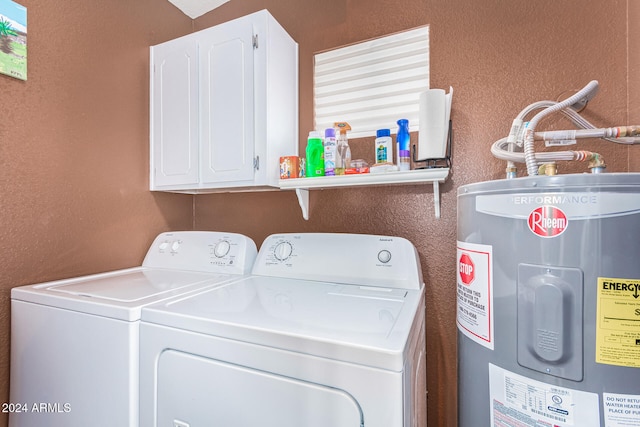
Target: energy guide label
[(618, 322), (520, 401)]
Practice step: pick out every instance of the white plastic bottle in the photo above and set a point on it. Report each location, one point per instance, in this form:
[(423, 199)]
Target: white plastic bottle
[(384, 146)]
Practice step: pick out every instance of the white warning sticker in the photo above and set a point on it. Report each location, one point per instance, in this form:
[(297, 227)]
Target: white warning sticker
[(520, 401), (621, 410), (475, 292)]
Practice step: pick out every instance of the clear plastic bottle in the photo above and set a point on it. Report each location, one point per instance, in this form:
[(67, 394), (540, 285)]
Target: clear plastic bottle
[(330, 151), (404, 152), (315, 155), (343, 152)]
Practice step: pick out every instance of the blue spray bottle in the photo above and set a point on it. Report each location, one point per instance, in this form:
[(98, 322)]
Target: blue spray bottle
[(404, 152)]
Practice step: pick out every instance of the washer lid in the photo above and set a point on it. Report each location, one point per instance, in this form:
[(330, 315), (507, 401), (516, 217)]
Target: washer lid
[(119, 294), (360, 324)]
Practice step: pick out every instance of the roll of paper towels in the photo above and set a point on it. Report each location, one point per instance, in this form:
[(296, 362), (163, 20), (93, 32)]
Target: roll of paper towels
[(435, 110)]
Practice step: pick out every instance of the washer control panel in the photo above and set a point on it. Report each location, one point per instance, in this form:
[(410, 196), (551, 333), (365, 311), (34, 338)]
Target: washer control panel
[(221, 249), (283, 251), (210, 251), (342, 258)]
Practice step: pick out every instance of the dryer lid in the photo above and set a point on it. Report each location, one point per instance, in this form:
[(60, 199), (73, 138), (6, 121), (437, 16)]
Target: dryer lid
[(356, 323)]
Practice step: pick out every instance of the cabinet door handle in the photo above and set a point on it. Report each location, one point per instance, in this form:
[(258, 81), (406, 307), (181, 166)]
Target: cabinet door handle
[(256, 163)]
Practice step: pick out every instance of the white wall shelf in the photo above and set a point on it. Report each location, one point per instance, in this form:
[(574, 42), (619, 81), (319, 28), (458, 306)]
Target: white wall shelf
[(302, 186)]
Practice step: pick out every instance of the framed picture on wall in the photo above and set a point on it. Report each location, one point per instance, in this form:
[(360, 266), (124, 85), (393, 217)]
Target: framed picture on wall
[(13, 39)]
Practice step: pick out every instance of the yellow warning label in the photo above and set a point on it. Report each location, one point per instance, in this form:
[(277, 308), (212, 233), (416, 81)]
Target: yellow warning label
[(618, 322)]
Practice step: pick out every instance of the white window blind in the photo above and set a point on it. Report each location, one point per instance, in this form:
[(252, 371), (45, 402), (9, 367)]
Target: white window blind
[(372, 84)]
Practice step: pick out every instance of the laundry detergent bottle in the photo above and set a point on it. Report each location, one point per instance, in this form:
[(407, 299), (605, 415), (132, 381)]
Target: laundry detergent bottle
[(315, 155)]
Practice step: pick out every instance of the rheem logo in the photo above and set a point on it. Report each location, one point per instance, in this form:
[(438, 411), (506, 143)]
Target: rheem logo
[(466, 269), (547, 221)]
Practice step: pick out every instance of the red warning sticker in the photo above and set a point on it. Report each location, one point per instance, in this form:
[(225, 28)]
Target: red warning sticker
[(547, 221)]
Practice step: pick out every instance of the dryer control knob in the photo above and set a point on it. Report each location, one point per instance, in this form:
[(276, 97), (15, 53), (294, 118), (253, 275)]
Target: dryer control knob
[(384, 256), (175, 245), (221, 249), (283, 250)]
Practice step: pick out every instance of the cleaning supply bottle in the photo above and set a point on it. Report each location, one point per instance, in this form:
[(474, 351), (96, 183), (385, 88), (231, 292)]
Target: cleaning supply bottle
[(404, 152), (315, 155), (343, 157), (330, 149), (383, 146)]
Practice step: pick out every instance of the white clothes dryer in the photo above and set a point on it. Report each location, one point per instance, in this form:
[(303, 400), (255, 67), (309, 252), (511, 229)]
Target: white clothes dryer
[(75, 342), (329, 330)]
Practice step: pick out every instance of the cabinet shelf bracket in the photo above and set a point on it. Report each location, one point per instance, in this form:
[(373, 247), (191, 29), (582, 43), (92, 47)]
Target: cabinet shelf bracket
[(303, 201), (431, 175)]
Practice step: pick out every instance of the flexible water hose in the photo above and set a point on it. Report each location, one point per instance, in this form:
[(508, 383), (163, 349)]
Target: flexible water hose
[(529, 152), (505, 148), (499, 151), (611, 133)]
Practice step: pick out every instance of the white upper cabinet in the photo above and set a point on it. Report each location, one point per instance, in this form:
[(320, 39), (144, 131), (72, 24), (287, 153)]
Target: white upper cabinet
[(224, 107), (174, 114), (226, 102)]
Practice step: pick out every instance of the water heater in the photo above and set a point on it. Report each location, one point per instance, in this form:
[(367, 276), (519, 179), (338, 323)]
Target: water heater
[(548, 301)]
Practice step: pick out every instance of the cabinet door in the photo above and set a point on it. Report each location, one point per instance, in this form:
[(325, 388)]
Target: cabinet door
[(226, 102), (174, 114)]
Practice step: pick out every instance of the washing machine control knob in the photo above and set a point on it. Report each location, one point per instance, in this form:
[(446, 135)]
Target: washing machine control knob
[(384, 256), (175, 245), (283, 250), (221, 248)]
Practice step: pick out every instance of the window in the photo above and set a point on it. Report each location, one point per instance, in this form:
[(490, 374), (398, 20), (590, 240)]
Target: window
[(372, 84)]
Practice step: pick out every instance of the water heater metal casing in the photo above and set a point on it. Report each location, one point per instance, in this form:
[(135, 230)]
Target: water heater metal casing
[(548, 310)]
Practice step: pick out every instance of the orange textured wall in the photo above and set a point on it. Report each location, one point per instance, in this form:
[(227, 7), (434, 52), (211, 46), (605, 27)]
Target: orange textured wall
[(499, 57), (74, 137)]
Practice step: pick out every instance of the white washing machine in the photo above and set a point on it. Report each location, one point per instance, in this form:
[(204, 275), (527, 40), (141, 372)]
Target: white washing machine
[(75, 342), (329, 330)]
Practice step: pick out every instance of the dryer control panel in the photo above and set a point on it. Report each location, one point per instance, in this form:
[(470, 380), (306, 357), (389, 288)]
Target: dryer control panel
[(209, 251), (385, 261)]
